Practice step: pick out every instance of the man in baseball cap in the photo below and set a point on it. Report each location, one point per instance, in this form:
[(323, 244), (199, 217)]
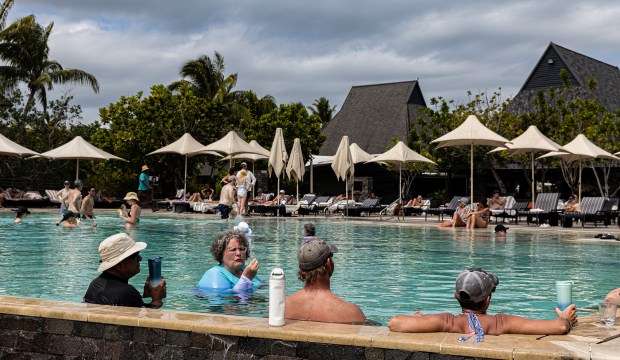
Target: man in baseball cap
[(473, 290), (120, 261), (315, 301)]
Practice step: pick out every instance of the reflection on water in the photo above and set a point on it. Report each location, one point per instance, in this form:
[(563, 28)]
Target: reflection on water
[(386, 269)]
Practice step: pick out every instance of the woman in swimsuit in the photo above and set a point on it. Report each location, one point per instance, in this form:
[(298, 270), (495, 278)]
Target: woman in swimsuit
[(131, 216), (243, 184), (480, 217)]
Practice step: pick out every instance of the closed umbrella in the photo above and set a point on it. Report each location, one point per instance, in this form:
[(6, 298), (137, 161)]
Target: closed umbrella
[(78, 149), (471, 132), (400, 154), (578, 149), (343, 166), (277, 156), (295, 168), (186, 145), (10, 148), (531, 141)]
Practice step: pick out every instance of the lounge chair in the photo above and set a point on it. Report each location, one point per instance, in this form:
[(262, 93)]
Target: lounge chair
[(595, 210), (417, 210), (29, 199), (305, 203), (508, 206), (368, 206), (447, 210), (546, 209), (514, 213)]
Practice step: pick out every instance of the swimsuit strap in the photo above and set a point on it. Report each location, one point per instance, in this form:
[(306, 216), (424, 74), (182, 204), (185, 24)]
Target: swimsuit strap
[(476, 328)]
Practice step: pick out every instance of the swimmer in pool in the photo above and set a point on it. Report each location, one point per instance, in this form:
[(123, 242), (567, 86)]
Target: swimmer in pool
[(315, 301), (473, 291), (231, 249)]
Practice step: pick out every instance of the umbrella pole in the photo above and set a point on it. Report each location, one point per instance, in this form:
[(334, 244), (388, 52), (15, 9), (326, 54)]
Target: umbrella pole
[(278, 204), (580, 180), (254, 178), (400, 190), (185, 179), (297, 199), (471, 174), (311, 176), (533, 185), (346, 195), (77, 170)]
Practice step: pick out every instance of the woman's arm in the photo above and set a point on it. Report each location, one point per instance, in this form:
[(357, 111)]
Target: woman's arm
[(418, 323)]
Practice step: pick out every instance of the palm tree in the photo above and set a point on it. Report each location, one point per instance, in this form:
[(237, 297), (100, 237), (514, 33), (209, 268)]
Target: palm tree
[(206, 78), (322, 111), (24, 48)]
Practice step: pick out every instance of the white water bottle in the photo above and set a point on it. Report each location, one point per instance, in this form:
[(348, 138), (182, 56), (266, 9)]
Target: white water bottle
[(277, 297)]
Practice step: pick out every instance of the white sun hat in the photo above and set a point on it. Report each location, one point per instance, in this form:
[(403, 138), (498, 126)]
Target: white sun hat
[(244, 228), (117, 248)]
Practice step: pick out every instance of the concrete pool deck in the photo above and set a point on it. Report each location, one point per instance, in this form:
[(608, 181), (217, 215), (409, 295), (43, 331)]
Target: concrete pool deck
[(93, 331)]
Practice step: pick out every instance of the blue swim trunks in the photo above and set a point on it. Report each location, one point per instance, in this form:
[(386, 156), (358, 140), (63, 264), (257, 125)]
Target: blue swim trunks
[(224, 210)]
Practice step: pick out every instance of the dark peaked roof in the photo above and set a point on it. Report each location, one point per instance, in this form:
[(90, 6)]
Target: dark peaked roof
[(374, 114), (580, 69)]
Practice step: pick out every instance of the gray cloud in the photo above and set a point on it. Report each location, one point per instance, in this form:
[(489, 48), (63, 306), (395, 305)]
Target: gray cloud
[(299, 51)]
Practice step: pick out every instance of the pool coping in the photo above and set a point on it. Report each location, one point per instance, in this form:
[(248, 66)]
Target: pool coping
[(588, 340)]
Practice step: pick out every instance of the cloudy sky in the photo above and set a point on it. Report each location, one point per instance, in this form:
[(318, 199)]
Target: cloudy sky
[(302, 50)]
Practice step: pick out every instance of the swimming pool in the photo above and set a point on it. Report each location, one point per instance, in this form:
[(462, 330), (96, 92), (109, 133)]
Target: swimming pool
[(387, 269)]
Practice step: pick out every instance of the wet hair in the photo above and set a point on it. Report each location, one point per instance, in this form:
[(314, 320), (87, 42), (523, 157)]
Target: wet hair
[(219, 244), (311, 276), (466, 304), (309, 229)]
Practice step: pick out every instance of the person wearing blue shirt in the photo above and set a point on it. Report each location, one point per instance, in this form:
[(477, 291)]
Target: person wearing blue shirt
[(231, 250), (144, 187)]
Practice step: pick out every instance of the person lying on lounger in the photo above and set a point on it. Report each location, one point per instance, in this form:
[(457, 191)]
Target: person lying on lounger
[(473, 291), (459, 219)]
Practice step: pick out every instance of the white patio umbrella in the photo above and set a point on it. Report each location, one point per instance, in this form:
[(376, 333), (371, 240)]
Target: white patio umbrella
[(295, 168), (578, 149), (531, 141), (185, 145), (231, 144), (344, 167), (78, 149), (11, 148), (277, 156), (471, 132), (401, 154), (358, 155)]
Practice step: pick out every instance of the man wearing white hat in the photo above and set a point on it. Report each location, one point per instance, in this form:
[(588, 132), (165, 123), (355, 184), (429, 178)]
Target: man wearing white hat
[(120, 261)]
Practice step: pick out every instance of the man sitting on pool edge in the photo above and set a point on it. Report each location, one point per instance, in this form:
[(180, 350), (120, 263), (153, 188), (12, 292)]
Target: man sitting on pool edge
[(473, 291), (315, 301), (120, 261)]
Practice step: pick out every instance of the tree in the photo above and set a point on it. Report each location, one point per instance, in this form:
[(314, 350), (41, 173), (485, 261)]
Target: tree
[(24, 47), (138, 125), (322, 110)]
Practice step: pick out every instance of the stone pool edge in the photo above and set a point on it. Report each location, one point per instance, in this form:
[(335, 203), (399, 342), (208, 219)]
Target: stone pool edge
[(85, 328)]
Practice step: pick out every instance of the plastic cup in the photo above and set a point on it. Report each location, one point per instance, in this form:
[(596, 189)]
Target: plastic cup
[(607, 311), (155, 270), (564, 293)]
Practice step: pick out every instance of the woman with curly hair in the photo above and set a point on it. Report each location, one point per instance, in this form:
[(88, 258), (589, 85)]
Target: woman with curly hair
[(231, 249)]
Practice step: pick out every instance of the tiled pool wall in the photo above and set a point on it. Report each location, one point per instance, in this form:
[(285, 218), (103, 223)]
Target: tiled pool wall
[(33, 328)]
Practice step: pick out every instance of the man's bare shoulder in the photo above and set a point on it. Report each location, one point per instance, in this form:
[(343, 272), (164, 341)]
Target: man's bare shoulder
[(322, 306)]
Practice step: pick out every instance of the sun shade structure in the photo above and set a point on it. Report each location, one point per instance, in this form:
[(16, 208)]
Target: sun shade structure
[(401, 154), (11, 148), (277, 156), (78, 149), (231, 144), (471, 132), (343, 166), (578, 149), (186, 145), (295, 168), (530, 142), (358, 155)]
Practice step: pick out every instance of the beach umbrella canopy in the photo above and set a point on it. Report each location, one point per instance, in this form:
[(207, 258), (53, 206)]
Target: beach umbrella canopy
[(10, 148), (530, 142), (78, 149), (231, 144), (579, 149), (343, 166), (358, 155), (401, 154), (186, 145), (295, 168), (471, 132), (261, 154), (277, 156)]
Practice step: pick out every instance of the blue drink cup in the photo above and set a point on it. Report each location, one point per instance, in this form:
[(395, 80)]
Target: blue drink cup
[(155, 270), (564, 293)]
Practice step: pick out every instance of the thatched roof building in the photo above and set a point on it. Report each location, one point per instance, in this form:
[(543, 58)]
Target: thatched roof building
[(374, 114)]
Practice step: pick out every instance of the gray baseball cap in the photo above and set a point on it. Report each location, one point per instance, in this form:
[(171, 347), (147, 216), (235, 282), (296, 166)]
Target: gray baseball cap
[(313, 253), (475, 284)]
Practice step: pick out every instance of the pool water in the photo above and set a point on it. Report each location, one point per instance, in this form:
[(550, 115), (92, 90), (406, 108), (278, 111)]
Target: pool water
[(386, 269)]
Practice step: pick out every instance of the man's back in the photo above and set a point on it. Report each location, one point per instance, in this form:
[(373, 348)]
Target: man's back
[(323, 306)]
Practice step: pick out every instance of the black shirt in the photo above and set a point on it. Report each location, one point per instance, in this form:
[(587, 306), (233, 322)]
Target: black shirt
[(108, 289)]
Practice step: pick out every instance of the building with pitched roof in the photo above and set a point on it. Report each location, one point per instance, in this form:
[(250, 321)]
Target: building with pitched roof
[(372, 115), (580, 69)]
